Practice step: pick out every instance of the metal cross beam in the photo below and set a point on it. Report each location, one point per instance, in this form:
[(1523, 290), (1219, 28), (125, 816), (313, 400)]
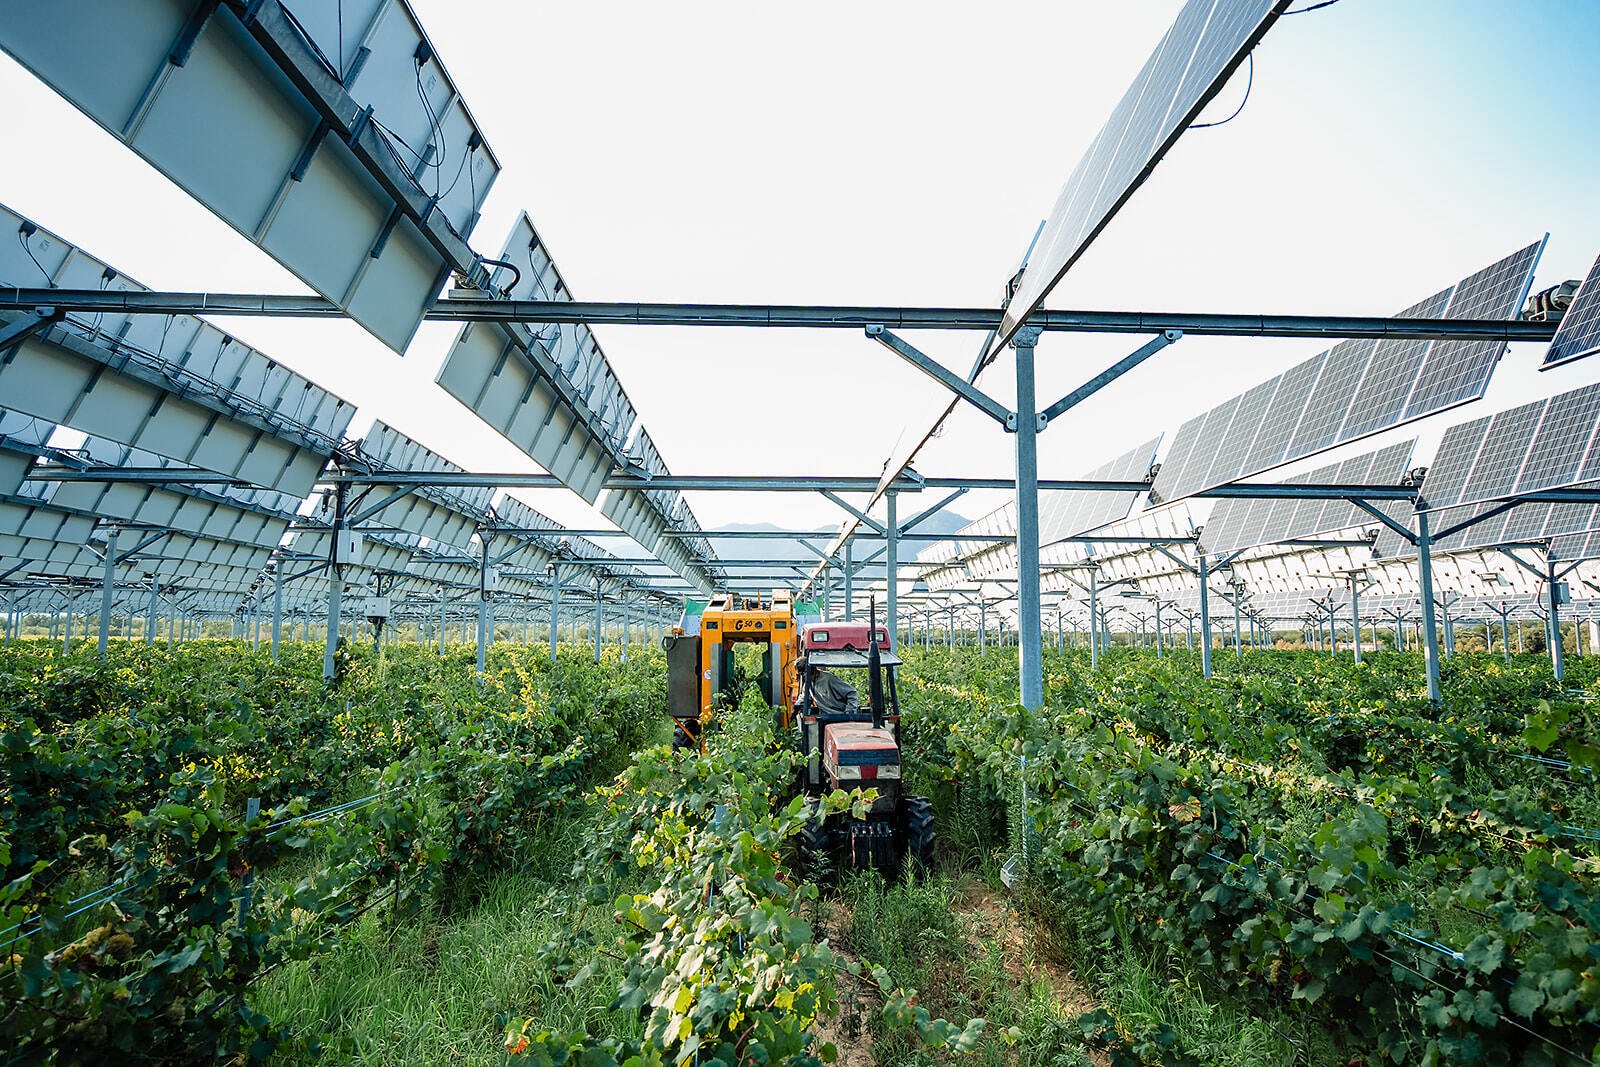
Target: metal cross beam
[(472, 309)]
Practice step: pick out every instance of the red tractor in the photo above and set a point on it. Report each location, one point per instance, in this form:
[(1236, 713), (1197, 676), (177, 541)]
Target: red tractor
[(849, 747)]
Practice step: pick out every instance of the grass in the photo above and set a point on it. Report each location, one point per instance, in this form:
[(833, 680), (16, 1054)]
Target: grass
[(441, 987)]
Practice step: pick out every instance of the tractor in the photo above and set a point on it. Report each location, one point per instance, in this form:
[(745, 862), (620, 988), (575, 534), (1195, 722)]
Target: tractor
[(845, 745)]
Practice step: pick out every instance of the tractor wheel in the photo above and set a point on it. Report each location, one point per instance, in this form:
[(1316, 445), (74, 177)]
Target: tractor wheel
[(813, 847), (919, 835)]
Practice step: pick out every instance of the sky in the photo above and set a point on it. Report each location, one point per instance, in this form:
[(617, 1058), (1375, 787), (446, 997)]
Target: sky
[(903, 154)]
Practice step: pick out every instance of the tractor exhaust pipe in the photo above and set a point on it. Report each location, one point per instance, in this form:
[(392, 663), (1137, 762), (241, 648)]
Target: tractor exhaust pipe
[(874, 666)]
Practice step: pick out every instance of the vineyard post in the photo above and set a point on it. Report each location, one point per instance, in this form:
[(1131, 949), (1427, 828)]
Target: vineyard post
[(1238, 592), (950, 627), (150, 620), (627, 623), (1445, 604), (1061, 633), (1205, 615), (1355, 612), (1552, 587), (1159, 651), (106, 585), (277, 607), (1430, 632)]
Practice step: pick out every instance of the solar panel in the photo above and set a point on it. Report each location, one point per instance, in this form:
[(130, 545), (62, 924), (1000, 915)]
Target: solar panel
[(1205, 44), (1277, 427), (1579, 332), (1505, 447), (1458, 451), (1556, 454), (550, 391), (369, 213), (1456, 371), (1063, 513), (160, 382), (1246, 523), (1330, 401), (1177, 458), (1230, 456), (1218, 419), (1523, 449), (1391, 374), (1360, 386)]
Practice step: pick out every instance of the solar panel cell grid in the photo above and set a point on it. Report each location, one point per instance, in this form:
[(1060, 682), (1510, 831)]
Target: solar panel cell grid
[(1459, 370), (1391, 374), (1228, 462), (1272, 441), (1556, 454), (1216, 428), (1579, 332), (1505, 447), (1177, 457), (1571, 518), (1458, 450), (1329, 402)]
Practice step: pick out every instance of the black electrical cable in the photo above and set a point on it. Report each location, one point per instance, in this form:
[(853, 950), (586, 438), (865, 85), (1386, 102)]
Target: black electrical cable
[(23, 241), (1250, 79), (1313, 7)]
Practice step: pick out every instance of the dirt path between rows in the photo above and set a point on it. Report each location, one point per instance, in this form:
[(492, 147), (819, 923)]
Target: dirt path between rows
[(984, 917)]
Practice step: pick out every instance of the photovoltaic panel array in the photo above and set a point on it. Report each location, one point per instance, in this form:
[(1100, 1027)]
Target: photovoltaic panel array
[(160, 382), (1063, 513), (1242, 523), (1205, 44), (1546, 444), (1579, 332), (548, 389), (438, 512), (1354, 389), (328, 135)]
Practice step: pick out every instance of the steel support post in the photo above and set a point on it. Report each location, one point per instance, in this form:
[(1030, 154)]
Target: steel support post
[(1552, 585), (1159, 650), (277, 608), (950, 628), (150, 618), (335, 583), (1355, 616), (107, 580), (1238, 645), (626, 628), (891, 560), (1430, 626), (849, 581), (1061, 633), (1094, 617), (1030, 609), (1505, 635), (598, 617), (1203, 570), (483, 602)]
